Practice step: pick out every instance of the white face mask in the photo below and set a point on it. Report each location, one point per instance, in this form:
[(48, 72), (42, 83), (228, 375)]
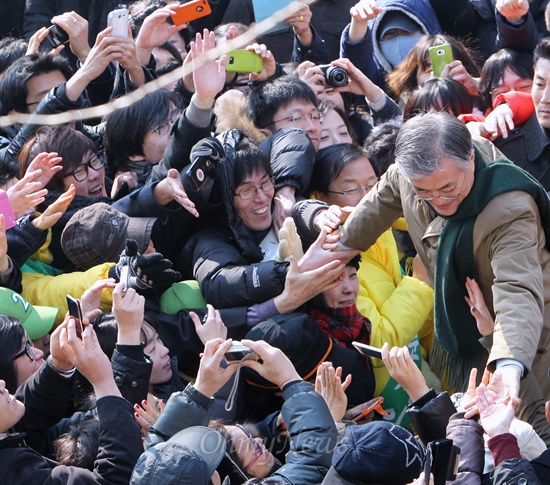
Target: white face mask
[(397, 48)]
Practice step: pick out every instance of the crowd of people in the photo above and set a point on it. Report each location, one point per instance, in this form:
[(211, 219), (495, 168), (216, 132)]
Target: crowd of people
[(314, 256)]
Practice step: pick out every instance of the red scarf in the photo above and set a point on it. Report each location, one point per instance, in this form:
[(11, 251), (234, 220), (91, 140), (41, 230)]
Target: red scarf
[(343, 325)]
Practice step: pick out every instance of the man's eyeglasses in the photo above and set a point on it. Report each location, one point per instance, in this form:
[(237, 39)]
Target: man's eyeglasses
[(80, 173), (296, 118), (427, 198), (166, 125), (28, 350), (259, 451), (354, 191), (250, 192)]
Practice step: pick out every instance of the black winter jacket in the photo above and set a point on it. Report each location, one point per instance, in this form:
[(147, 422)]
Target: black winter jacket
[(226, 258)]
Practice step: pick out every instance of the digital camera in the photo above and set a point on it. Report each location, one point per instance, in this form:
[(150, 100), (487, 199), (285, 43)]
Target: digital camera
[(335, 76)]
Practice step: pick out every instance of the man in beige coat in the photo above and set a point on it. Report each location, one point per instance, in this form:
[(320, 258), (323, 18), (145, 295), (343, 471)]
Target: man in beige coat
[(494, 233)]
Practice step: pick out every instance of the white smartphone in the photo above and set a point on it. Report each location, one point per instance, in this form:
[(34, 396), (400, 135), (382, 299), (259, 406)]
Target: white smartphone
[(118, 20), (368, 350)]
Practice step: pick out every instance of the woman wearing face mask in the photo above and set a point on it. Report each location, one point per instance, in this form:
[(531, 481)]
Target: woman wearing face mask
[(382, 33)]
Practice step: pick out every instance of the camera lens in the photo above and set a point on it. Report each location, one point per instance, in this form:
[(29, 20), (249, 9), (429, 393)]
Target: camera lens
[(336, 76)]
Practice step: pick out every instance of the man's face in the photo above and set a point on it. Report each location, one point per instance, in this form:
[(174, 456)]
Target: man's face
[(302, 115), (447, 181), (541, 92), (40, 85)]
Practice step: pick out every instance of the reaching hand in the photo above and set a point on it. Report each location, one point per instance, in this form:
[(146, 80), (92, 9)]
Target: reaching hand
[(512, 10), (212, 327), (284, 201), (290, 243), (147, 414), (26, 194), (268, 66), (155, 31), (478, 308), (456, 70), (402, 368), (275, 366), (90, 299), (86, 355), (299, 21), (48, 164), (211, 376), (365, 10), (55, 210), (495, 416), (316, 256), (4, 261), (329, 384), (145, 271), (208, 74), (300, 287), (77, 28), (499, 121), (129, 310)]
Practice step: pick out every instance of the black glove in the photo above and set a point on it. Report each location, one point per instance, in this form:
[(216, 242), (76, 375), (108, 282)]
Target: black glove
[(210, 148), (143, 272)]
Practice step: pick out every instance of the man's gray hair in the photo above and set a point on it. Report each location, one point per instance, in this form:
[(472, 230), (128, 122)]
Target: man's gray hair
[(427, 138)]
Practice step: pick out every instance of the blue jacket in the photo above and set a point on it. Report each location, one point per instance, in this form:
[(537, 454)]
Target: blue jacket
[(366, 54)]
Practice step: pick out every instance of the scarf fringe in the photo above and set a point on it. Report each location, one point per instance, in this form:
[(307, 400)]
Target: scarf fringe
[(453, 370)]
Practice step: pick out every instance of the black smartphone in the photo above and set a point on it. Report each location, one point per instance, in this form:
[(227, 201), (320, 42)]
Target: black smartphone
[(445, 459), (56, 36), (75, 311), (200, 171), (368, 350)]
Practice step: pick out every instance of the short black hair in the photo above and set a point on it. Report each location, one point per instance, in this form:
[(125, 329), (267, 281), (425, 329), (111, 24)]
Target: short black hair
[(249, 160), (517, 61), (330, 161), (439, 94), (264, 101), (125, 129), (11, 336), (542, 51), (13, 85), (11, 49), (70, 144), (79, 445), (380, 145)]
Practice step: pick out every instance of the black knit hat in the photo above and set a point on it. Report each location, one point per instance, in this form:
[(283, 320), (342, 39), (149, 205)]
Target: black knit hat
[(378, 452), (298, 337)]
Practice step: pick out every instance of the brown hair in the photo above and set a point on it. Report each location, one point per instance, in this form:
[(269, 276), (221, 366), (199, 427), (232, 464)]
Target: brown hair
[(403, 78)]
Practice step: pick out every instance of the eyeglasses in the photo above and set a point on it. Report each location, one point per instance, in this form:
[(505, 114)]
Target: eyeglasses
[(80, 173), (167, 124), (259, 450), (354, 191), (444, 196), (250, 192), (296, 118), (28, 349)]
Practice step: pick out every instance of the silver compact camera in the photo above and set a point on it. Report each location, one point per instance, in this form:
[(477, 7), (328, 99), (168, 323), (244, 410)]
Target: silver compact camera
[(238, 352)]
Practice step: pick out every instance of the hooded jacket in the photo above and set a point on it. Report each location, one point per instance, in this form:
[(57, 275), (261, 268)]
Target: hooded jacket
[(226, 259), (366, 54)]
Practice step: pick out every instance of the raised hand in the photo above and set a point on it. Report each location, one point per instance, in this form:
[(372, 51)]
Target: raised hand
[(77, 28), (208, 74), (478, 308), (402, 368), (211, 376), (275, 366), (48, 164), (86, 355), (90, 299), (212, 327), (495, 416), (329, 384), (26, 194), (55, 210), (129, 310)]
